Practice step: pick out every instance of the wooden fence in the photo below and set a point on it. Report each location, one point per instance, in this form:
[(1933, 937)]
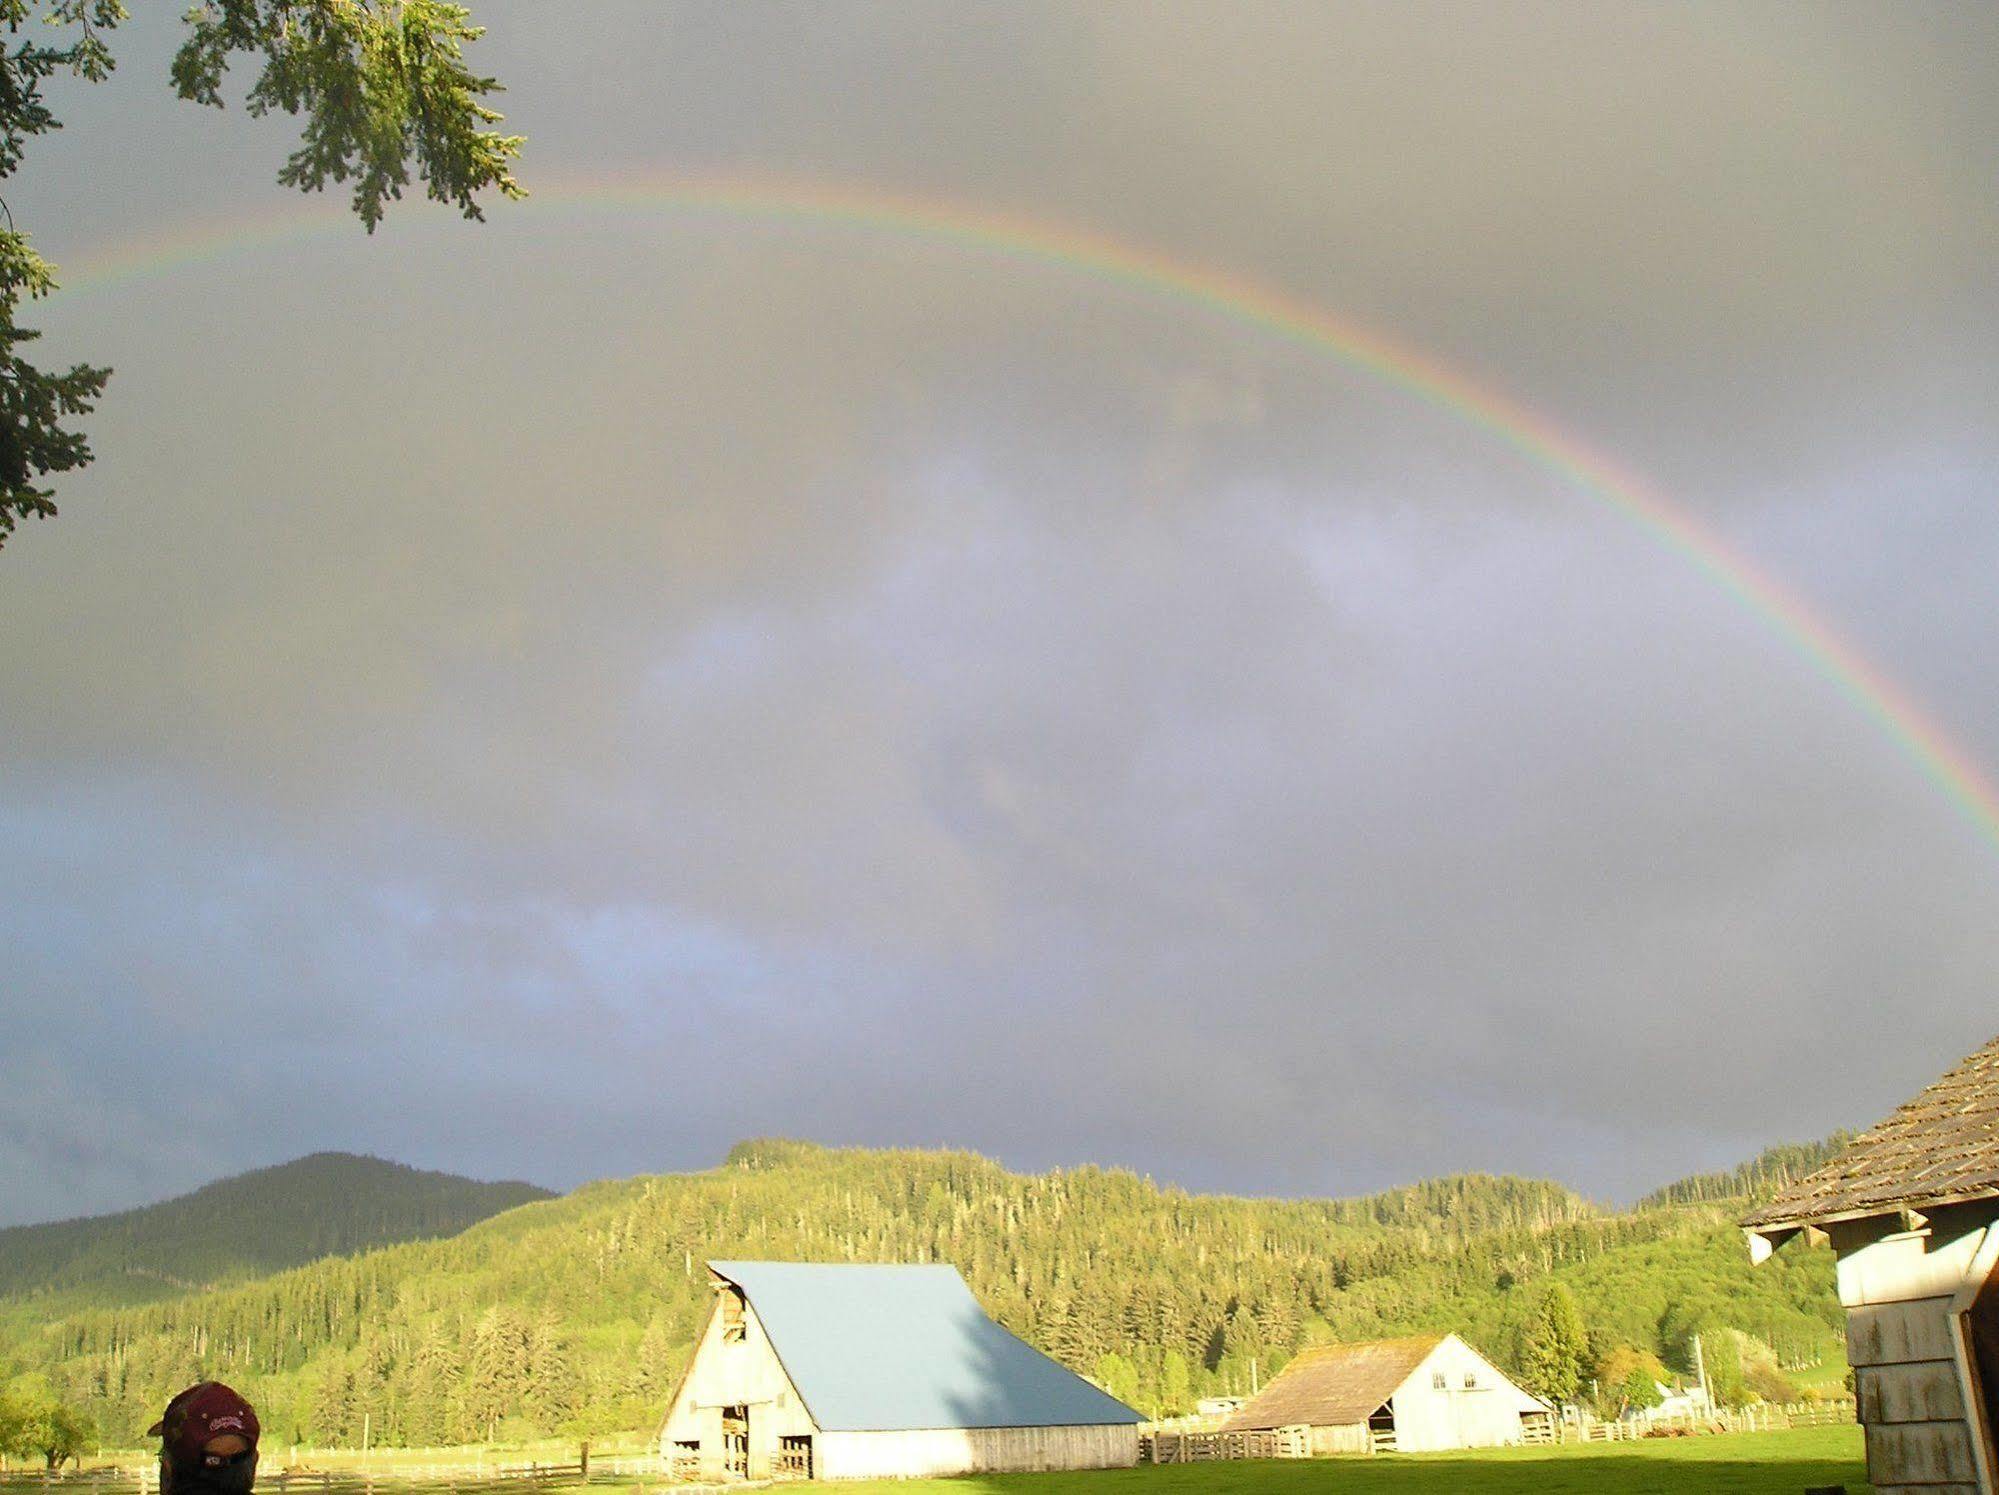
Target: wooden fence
[(443, 1479), (458, 1479), (1761, 1418), (1195, 1446), (1203, 1448)]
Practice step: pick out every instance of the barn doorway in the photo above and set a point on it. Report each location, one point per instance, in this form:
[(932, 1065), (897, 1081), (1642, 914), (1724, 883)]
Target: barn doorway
[(736, 1441), (794, 1456), (1381, 1429)]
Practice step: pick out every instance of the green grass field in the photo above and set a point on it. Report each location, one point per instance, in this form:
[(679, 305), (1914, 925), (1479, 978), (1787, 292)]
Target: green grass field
[(1741, 1464)]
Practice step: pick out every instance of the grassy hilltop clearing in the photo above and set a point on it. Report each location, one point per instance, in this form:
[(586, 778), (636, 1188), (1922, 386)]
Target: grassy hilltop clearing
[(572, 1315)]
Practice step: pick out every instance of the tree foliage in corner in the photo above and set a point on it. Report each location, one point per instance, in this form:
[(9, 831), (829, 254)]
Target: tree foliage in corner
[(386, 97)]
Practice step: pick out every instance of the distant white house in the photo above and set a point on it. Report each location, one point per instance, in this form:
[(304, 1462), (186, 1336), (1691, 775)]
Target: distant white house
[(1431, 1391), (1675, 1403), (882, 1372)]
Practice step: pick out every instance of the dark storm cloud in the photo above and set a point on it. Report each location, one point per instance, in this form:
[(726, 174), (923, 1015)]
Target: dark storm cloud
[(554, 697)]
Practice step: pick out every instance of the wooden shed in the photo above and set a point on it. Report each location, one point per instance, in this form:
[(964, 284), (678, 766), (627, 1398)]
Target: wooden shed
[(853, 1372), (1911, 1209), (1430, 1391)]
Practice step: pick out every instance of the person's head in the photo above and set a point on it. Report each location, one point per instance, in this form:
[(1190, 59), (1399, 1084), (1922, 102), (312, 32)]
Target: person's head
[(208, 1442)]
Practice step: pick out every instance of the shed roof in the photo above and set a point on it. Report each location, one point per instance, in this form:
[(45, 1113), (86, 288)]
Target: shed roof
[(1940, 1148), (1336, 1384), (883, 1348)]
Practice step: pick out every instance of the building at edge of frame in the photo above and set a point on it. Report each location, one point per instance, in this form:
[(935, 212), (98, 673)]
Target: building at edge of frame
[(1911, 1210)]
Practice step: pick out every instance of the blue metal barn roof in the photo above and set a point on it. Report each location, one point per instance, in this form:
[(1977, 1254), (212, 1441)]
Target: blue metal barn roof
[(881, 1348)]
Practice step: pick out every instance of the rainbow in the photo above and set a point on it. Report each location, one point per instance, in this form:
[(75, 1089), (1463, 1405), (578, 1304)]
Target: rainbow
[(1218, 293)]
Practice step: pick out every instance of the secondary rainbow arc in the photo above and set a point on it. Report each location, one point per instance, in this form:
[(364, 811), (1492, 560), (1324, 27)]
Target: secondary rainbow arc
[(1950, 767)]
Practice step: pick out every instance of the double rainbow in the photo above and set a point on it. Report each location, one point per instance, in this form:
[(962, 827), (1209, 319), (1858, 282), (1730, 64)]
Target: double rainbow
[(1218, 293)]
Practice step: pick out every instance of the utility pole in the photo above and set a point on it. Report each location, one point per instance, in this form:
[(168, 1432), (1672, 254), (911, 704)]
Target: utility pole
[(1700, 1369)]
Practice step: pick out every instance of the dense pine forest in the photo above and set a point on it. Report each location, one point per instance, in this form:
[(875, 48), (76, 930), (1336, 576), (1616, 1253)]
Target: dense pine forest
[(572, 1315), (1767, 1173)]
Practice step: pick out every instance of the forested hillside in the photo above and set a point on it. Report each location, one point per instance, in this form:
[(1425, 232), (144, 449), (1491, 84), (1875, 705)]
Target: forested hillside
[(329, 1204), (574, 1314), (1771, 1170)]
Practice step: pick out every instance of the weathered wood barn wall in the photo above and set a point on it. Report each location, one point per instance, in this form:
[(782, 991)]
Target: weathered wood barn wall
[(930, 1452), (1911, 1210)]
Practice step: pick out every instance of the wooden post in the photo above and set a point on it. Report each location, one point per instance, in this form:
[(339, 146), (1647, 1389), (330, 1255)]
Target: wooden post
[(583, 1460)]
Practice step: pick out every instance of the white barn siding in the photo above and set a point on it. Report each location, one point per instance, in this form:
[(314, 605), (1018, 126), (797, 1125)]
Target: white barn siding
[(1485, 1414), (1903, 1292), (931, 1452), (746, 1374)]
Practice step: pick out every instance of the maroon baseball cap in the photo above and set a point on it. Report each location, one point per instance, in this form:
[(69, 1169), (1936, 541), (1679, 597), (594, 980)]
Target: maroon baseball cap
[(203, 1411)]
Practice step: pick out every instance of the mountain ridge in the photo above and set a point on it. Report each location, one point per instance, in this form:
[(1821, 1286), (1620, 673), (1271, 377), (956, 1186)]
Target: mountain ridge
[(322, 1204), (571, 1313)]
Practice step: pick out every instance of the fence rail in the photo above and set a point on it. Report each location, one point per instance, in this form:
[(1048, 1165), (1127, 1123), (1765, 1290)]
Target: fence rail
[(1190, 1446), (439, 1479), (1197, 1446), (1202, 1448), (1762, 1418)]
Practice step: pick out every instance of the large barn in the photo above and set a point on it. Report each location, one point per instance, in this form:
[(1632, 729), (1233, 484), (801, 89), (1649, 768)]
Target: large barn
[(1912, 1212), (1427, 1392), (852, 1372)]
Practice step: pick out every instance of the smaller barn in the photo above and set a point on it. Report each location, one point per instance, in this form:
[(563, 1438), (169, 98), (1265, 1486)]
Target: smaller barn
[(875, 1372), (1429, 1391), (1911, 1210)]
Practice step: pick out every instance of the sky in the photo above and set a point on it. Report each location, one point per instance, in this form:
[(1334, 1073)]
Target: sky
[(552, 697)]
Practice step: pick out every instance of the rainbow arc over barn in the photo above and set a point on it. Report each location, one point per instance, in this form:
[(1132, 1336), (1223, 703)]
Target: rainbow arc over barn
[(1208, 291)]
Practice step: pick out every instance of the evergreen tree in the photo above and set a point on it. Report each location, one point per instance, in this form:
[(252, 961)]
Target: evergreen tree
[(1554, 1349), (1278, 1328), (1176, 1386), (433, 1395), (1118, 1376), (338, 1409), (498, 1372), (656, 1364), (550, 1393)]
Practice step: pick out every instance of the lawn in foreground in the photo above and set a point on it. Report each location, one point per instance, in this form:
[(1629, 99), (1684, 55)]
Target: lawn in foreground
[(1739, 1464)]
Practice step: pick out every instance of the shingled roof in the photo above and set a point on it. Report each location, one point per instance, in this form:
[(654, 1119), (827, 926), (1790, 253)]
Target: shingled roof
[(1940, 1148), (1334, 1385)]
